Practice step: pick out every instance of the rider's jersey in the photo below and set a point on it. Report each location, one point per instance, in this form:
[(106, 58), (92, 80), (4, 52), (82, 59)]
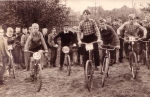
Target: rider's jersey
[(35, 41), (131, 29)]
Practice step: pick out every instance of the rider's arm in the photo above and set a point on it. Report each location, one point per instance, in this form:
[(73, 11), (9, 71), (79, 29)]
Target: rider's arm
[(56, 37), (144, 31), (43, 42), (97, 30), (121, 28), (28, 42)]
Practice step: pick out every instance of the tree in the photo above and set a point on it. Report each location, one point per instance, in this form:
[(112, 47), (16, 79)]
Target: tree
[(47, 13), (146, 10)]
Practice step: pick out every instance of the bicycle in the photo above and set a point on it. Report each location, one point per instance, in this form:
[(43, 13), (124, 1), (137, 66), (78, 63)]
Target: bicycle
[(106, 61), (37, 70), (89, 69), (132, 55), (66, 51), (145, 54)]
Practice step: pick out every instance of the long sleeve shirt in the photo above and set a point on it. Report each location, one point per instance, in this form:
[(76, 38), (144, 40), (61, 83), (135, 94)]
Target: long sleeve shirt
[(34, 40), (109, 34), (66, 38), (88, 27)]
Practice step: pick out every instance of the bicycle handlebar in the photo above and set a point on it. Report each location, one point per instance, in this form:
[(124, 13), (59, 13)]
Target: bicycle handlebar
[(90, 42), (127, 39), (107, 47), (137, 39), (34, 52)]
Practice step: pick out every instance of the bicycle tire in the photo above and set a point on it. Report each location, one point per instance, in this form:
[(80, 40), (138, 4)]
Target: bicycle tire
[(105, 70), (133, 65), (143, 57), (23, 65), (68, 65), (147, 59), (13, 68), (37, 77), (89, 75)]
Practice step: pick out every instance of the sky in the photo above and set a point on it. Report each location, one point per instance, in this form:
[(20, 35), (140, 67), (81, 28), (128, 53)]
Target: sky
[(80, 5)]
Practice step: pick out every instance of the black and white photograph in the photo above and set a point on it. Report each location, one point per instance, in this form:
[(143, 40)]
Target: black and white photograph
[(74, 48)]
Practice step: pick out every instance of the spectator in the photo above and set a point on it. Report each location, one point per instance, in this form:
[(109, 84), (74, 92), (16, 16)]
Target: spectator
[(108, 20), (6, 40), (52, 47), (24, 38), (17, 51), (45, 36)]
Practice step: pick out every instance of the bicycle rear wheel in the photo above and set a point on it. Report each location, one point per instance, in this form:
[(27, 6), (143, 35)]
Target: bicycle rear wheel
[(89, 75), (105, 69), (37, 80), (133, 64), (68, 65)]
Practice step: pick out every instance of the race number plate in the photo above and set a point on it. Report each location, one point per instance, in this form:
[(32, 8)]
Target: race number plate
[(65, 49), (89, 46), (10, 47)]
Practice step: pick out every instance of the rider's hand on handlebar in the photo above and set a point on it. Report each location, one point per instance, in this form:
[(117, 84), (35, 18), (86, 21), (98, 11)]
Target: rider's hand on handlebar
[(74, 44), (46, 51), (25, 50), (100, 41), (46, 54), (56, 45), (117, 47)]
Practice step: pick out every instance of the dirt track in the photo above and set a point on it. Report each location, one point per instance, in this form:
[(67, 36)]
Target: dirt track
[(56, 83)]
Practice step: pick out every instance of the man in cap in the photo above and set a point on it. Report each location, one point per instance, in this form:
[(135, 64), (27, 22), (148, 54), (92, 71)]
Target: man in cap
[(67, 38)]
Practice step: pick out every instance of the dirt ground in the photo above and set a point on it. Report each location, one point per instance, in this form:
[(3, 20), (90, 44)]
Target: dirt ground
[(56, 83)]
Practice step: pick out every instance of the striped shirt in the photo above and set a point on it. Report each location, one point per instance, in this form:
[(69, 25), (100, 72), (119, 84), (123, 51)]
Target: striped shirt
[(89, 27)]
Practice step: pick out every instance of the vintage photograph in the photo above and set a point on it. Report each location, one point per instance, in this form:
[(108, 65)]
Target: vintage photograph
[(74, 48)]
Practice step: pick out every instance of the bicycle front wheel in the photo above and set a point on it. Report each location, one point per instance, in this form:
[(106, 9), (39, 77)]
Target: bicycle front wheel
[(105, 69), (133, 64), (89, 75), (147, 59), (68, 65), (37, 77)]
